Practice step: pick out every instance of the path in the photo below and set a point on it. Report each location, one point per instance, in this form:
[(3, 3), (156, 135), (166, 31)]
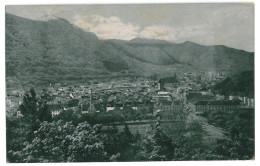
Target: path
[(211, 132)]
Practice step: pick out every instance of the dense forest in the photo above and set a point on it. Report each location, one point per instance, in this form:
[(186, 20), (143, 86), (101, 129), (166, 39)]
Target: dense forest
[(37, 137), (241, 84)]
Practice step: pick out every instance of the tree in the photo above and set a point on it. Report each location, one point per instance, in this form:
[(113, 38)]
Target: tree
[(29, 106), (240, 148), (85, 144), (60, 141), (111, 140), (73, 103), (29, 110), (48, 143), (67, 116), (126, 145), (127, 134), (21, 130), (156, 146), (120, 145), (17, 131), (44, 113)]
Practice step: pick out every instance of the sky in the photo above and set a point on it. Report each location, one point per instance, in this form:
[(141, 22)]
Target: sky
[(207, 24)]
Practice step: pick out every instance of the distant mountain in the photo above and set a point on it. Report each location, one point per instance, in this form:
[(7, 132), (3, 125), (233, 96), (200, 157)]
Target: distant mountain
[(56, 49), (148, 41), (241, 84)]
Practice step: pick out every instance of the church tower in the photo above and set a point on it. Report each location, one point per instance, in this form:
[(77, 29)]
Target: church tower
[(91, 105)]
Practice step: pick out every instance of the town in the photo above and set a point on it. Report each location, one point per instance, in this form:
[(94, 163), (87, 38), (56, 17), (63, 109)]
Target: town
[(135, 82), (166, 96)]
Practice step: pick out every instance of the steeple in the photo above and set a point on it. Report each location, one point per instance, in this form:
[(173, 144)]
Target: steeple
[(91, 105), (90, 93)]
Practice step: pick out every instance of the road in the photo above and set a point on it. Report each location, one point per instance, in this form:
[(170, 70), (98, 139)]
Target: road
[(211, 133)]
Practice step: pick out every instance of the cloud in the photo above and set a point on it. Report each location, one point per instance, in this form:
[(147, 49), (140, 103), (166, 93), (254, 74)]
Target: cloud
[(113, 28), (106, 28), (207, 24), (221, 26), (157, 32), (197, 33)]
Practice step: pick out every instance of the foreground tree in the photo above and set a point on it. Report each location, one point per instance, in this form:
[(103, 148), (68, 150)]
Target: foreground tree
[(29, 106), (242, 148), (34, 108), (47, 143), (85, 144), (58, 141), (44, 113), (156, 146), (190, 145), (34, 112), (17, 132)]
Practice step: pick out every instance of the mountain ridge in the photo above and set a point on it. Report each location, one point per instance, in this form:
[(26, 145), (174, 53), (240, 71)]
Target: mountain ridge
[(56, 48)]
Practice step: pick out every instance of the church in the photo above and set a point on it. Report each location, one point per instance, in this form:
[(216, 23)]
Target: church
[(168, 83)]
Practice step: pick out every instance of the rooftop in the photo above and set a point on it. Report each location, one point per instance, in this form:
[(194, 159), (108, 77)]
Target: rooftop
[(219, 102), (168, 80)]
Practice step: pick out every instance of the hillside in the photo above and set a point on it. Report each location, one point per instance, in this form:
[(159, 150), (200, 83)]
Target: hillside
[(241, 84), (54, 50)]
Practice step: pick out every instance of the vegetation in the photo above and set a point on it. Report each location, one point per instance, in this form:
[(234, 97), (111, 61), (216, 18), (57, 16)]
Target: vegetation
[(115, 116), (36, 137), (156, 146), (40, 52), (241, 84), (237, 122), (69, 137), (240, 126)]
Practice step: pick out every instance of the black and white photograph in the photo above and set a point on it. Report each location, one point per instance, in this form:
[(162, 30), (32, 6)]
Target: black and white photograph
[(130, 82)]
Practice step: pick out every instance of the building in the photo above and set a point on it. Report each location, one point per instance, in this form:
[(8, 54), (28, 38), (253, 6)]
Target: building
[(194, 97), (112, 106), (55, 113), (146, 106), (90, 107), (168, 83), (232, 97), (219, 105), (247, 102), (168, 110), (56, 109), (250, 102), (162, 95)]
